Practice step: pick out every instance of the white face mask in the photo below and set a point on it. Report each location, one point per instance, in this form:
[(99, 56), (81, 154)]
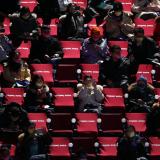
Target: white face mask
[(118, 13), (38, 84)]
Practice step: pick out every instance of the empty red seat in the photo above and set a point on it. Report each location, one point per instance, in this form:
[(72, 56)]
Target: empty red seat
[(71, 50), (108, 148), (138, 120), (81, 3), (6, 24), (31, 4), (53, 27), (24, 50), (127, 5), (45, 70), (114, 100), (111, 123), (155, 148), (13, 95), (66, 73), (123, 45), (90, 69), (40, 119), (145, 70), (59, 149), (85, 144), (61, 124), (63, 99), (87, 123), (1, 68), (147, 25)]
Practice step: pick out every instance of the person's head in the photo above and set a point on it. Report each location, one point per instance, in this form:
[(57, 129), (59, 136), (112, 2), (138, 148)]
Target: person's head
[(14, 111), (31, 128), (142, 82), (72, 8), (37, 81), (139, 35), (130, 132), (4, 153), (118, 9), (45, 31), (25, 13), (88, 81), (115, 52), (14, 56), (15, 67), (95, 33)]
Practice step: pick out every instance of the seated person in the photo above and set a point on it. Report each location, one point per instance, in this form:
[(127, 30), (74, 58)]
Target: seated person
[(5, 153), (114, 70), (119, 24), (46, 48), (13, 118), (141, 48), (141, 95), (94, 48), (16, 73), (5, 45), (23, 24), (89, 96), (32, 143), (131, 146), (37, 94), (146, 9), (71, 25), (153, 117), (157, 30)]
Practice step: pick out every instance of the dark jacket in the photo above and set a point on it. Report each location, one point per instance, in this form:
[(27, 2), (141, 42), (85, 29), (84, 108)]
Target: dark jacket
[(141, 53), (116, 72)]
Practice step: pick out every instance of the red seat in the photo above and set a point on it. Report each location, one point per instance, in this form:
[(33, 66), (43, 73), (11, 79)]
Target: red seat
[(92, 24), (108, 148), (6, 24), (147, 25), (155, 148), (31, 4), (145, 70), (81, 3), (90, 69), (24, 50), (87, 123), (45, 70), (123, 45), (66, 73), (53, 27), (85, 144), (63, 100), (127, 5), (114, 100), (71, 50), (111, 123), (138, 120), (59, 149), (1, 69), (40, 119), (58, 127), (13, 95)]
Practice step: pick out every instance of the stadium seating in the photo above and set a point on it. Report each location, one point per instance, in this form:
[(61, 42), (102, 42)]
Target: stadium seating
[(127, 5), (6, 24), (29, 3), (81, 3)]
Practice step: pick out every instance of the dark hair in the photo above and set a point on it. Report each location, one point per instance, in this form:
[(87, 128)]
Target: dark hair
[(45, 28), (138, 30), (130, 128), (87, 77), (113, 48), (36, 77), (117, 6), (24, 10)]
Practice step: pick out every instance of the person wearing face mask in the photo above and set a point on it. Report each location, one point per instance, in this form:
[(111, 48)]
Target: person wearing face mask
[(37, 95), (131, 146), (141, 93), (45, 48), (141, 48), (119, 25), (71, 25), (94, 48), (23, 24), (32, 144), (114, 70), (89, 96)]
